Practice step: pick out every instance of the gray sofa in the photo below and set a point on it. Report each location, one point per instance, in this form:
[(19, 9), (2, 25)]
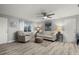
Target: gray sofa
[(47, 35)]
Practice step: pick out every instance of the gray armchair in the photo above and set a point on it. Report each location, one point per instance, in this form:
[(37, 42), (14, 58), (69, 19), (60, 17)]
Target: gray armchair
[(23, 36)]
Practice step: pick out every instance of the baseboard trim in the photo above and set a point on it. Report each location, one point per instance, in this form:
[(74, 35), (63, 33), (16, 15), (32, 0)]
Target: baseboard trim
[(11, 41)]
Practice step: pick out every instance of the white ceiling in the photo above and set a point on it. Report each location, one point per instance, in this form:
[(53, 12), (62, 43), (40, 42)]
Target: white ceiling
[(32, 11)]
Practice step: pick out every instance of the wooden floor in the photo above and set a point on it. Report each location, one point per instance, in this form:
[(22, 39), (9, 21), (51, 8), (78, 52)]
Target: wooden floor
[(45, 48)]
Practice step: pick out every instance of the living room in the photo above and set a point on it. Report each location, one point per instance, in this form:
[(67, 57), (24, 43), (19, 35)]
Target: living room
[(39, 28)]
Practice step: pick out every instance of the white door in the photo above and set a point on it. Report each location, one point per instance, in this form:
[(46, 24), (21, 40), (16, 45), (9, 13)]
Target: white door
[(3, 30), (70, 30)]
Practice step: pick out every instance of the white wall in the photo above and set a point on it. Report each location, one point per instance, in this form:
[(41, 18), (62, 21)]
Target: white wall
[(12, 29), (3, 30), (77, 23), (69, 28), (21, 25)]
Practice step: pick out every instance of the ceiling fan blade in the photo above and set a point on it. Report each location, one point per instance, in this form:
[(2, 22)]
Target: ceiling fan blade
[(50, 14), (49, 17)]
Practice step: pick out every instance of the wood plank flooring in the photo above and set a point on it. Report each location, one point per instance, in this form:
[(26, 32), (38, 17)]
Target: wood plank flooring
[(45, 48)]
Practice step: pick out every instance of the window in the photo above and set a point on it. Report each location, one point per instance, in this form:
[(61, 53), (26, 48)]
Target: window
[(48, 26), (27, 26)]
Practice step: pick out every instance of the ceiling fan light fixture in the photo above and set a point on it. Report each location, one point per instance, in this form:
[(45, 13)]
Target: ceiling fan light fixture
[(45, 17)]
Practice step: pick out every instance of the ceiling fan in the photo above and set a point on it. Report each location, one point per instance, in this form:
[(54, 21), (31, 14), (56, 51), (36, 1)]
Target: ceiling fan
[(44, 14)]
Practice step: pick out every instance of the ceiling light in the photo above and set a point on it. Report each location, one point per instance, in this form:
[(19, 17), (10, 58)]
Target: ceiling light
[(45, 17)]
